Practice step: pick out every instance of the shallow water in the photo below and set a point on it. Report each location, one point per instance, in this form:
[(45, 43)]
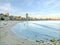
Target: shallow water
[(37, 30)]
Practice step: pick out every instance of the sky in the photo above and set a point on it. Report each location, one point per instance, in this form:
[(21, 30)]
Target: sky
[(32, 7)]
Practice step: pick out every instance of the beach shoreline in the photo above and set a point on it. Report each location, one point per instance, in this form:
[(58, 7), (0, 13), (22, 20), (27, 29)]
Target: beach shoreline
[(7, 37)]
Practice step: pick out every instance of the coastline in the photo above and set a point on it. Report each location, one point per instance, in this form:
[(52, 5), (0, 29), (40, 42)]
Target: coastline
[(7, 37)]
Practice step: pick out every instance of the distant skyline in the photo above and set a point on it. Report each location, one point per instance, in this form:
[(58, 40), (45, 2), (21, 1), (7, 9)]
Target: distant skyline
[(32, 7)]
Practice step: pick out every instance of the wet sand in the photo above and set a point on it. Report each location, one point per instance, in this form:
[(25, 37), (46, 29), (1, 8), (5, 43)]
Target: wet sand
[(8, 37)]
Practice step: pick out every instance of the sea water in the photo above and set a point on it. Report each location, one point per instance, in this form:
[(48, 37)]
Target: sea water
[(37, 30)]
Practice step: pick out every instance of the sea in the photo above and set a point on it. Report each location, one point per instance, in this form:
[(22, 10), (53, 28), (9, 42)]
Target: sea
[(38, 30)]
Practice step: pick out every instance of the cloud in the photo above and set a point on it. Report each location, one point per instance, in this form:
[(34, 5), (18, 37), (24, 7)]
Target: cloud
[(51, 5), (28, 2), (50, 1), (34, 7), (7, 7)]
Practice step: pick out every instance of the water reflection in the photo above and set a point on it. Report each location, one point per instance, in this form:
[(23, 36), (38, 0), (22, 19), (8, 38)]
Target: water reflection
[(29, 30)]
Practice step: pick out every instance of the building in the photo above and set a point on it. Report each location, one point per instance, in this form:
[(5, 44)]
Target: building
[(26, 16)]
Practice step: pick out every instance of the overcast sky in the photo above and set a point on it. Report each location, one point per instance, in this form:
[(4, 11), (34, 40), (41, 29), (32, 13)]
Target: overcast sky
[(33, 7)]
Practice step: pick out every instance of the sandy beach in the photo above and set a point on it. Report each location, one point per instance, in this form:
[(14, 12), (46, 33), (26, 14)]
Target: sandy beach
[(7, 37)]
